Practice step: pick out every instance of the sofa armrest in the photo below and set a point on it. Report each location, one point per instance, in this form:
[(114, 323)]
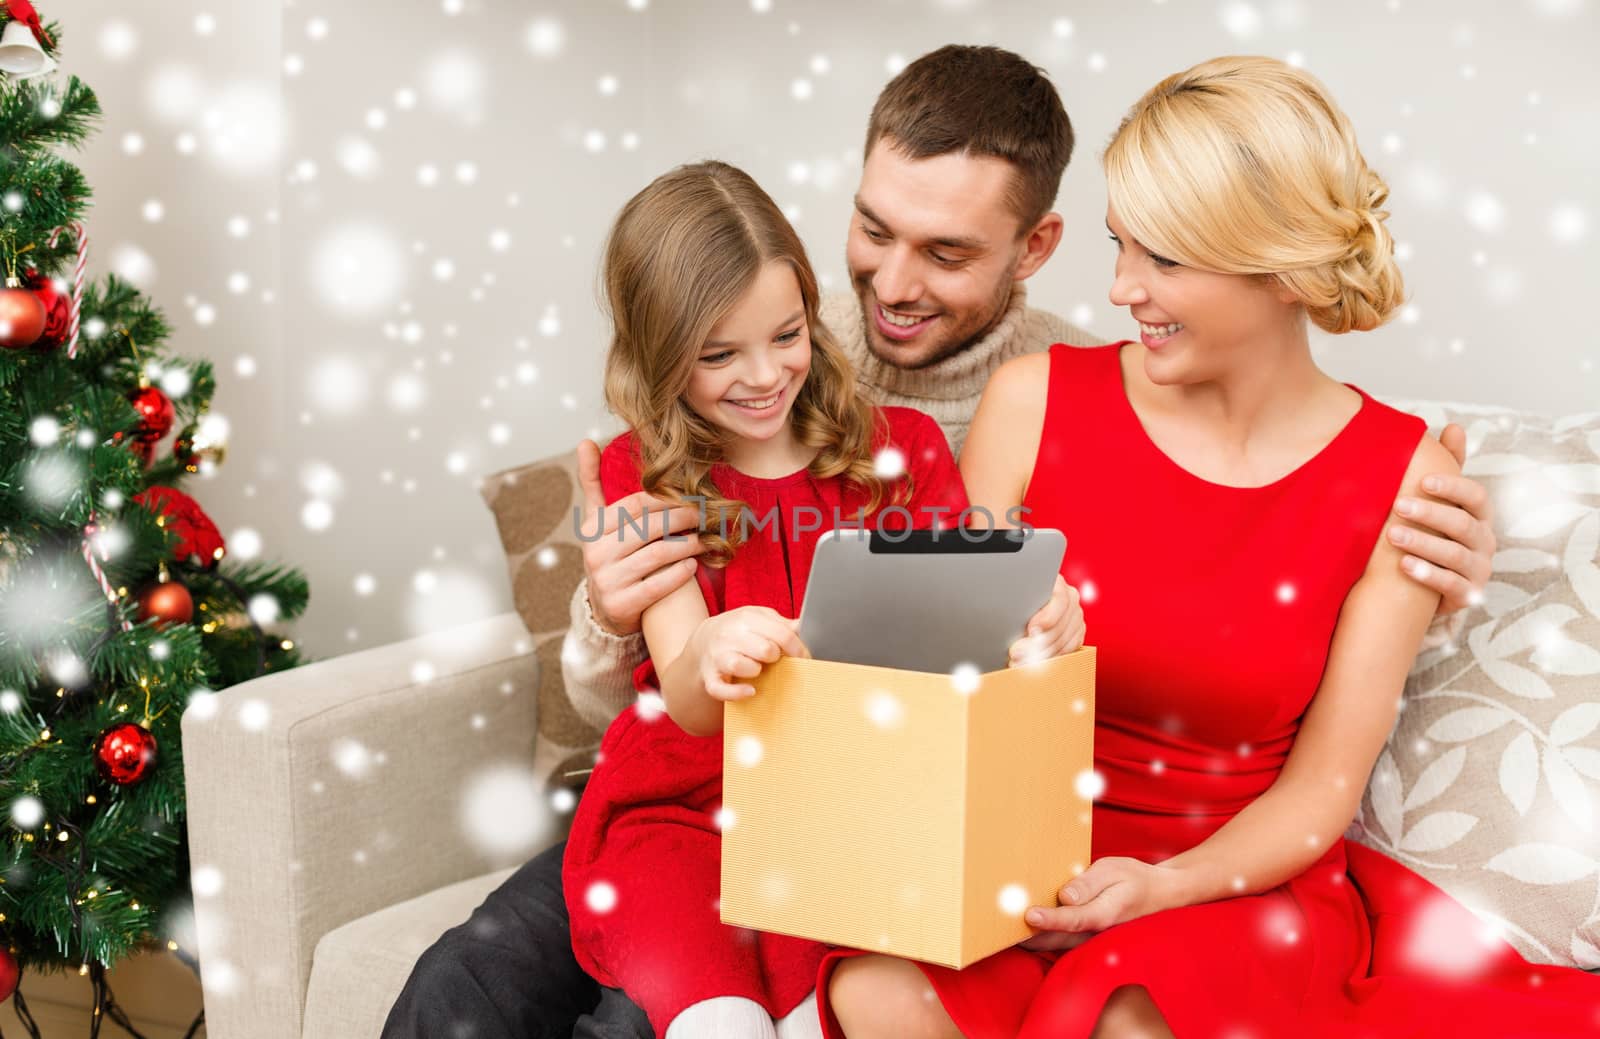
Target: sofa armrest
[(323, 793)]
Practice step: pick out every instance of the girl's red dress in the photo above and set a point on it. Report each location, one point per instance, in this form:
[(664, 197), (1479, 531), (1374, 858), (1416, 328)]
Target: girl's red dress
[(1212, 608), (643, 861)]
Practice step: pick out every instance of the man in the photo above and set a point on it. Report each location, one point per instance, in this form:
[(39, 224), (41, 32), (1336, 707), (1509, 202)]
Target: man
[(964, 155)]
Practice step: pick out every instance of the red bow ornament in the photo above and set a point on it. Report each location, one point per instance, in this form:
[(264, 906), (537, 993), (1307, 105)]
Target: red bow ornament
[(199, 540), (22, 11)]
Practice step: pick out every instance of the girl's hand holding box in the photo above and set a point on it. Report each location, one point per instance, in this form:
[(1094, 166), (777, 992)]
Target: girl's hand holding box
[(740, 642)]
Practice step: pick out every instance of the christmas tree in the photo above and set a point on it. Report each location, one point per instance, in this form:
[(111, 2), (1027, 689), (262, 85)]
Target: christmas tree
[(118, 603)]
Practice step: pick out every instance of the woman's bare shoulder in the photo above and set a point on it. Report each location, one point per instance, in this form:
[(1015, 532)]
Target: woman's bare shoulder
[(1021, 379), (1429, 458), (997, 457)]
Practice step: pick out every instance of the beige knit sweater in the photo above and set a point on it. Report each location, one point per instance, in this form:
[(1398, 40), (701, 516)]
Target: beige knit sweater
[(597, 666)]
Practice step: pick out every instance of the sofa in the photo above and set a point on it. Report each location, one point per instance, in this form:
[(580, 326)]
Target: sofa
[(344, 814)]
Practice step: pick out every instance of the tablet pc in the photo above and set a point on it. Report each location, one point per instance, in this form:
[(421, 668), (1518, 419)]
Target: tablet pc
[(927, 600)]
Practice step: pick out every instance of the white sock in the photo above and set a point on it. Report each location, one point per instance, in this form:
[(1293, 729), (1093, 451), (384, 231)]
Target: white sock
[(725, 1017), (801, 1022)]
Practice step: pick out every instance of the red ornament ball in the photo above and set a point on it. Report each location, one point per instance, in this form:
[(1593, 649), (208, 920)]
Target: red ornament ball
[(156, 414), (169, 602), (21, 317), (57, 310), (9, 973), (124, 754)]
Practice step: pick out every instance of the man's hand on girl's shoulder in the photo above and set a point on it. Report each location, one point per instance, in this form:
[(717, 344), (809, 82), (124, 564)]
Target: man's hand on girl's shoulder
[(629, 571)]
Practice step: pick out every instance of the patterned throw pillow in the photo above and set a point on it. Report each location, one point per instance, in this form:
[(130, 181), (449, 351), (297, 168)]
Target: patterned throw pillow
[(1489, 785), (532, 506)]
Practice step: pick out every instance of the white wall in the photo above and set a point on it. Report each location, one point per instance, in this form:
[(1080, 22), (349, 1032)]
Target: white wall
[(421, 251)]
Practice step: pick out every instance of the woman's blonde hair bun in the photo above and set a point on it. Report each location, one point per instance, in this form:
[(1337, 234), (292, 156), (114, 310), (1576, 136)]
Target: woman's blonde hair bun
[(1245, 165)]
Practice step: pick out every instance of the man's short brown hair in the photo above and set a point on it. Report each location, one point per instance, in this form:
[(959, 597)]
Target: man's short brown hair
[(982, 101)]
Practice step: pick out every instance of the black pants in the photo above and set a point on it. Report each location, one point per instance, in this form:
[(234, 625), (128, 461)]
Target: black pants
[(509, 973)]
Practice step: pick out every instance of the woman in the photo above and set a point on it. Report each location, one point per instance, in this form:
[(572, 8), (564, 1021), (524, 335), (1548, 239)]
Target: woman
[(1253, 642)]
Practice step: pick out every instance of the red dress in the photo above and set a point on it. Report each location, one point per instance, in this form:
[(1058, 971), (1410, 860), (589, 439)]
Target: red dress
[(642, 867), (1197, 709)]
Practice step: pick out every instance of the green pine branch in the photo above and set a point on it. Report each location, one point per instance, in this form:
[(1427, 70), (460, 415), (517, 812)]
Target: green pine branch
[(35, 114), (259, 577)]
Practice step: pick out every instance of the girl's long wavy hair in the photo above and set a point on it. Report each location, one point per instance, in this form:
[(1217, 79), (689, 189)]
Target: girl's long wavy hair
[(681, 254)]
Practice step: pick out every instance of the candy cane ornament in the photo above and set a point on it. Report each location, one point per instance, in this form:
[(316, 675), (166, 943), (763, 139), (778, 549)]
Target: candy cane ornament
[(78, 270), (89, 533)]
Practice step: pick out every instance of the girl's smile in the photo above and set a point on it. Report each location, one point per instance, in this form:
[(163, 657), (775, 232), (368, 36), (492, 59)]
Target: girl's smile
[(767, 406)]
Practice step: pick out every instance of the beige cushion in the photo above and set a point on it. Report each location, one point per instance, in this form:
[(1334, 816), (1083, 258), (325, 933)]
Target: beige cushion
[(359, 969), (1490, 783), (533, 509)]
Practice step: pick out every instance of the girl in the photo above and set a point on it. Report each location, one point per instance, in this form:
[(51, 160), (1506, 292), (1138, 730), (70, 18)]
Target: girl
[(735, 395), (1253, 625)]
